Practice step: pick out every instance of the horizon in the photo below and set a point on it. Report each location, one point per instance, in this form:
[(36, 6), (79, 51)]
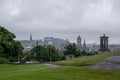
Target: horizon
[(64, 19), (75, 41)]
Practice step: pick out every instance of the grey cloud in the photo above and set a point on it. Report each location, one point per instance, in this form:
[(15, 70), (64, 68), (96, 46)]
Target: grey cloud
[(61, 18)]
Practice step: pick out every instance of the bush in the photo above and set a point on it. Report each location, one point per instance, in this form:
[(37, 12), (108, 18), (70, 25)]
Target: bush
[(3, 60)]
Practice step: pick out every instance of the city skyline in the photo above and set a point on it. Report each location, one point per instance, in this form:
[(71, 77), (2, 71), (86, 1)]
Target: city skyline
[(64, 19), (76, 39)]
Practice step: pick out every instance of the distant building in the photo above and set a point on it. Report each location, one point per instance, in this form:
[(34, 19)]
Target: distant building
[(29, 44), (94, 49), (56, 42), (81, 47), (114, 47), (79, 43), (48, 40), (69, 56)]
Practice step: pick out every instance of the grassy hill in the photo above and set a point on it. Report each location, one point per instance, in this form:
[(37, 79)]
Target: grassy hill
[(87, 60), (39, 72)]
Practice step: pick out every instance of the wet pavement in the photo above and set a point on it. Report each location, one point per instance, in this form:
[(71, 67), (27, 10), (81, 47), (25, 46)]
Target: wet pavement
[(112, 63)]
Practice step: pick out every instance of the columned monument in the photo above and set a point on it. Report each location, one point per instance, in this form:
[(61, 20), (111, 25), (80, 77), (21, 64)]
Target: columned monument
[(104, 43)]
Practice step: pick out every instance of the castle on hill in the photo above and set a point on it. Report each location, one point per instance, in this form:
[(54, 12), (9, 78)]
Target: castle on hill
[(56, 42)]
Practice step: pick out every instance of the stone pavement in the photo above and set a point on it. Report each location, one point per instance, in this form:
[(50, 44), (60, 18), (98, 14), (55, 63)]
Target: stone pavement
[(112, 63)]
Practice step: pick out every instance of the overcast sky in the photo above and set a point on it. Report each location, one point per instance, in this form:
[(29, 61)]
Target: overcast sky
[(64, 19)]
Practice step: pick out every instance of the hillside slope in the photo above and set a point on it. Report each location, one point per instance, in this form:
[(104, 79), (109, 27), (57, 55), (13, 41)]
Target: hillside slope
[(87, 60)]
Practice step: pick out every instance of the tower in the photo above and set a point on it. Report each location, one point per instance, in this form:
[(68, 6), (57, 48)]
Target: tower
[(30, 37), (104, 43), (79, 42), (84, 45)]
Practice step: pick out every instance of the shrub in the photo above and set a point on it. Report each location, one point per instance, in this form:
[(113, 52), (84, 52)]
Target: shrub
[(3, 60)]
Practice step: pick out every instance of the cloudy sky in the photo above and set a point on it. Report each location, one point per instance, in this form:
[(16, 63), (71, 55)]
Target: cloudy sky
[(64, 19)]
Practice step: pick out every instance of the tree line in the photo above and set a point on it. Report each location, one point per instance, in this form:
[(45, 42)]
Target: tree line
[(12, 50), (45, 53), (48, 53)]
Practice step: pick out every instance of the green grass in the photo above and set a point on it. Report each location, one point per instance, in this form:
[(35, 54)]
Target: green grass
[(86, 60), (73, 72), (39, 72)]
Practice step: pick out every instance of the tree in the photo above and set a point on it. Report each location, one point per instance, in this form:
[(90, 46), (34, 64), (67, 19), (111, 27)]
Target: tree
[(52, 52), (45, 53), (37, 52), (71, 49), (9, 48)]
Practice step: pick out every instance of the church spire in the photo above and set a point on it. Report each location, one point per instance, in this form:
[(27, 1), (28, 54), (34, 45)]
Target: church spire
[(30, 37), (84, 45)]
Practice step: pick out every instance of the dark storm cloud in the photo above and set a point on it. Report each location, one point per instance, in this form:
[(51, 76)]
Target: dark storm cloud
[(63, 18)]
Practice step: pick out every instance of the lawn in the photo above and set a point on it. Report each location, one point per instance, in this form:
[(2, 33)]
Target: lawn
[(77, 70), (40, 72), (86, 60)]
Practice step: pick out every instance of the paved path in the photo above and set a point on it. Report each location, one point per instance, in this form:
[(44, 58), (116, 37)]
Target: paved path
[(50, 65), (28, 62), (109, 63)]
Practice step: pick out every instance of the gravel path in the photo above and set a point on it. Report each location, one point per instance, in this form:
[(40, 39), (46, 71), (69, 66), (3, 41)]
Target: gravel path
[(112, 63)]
